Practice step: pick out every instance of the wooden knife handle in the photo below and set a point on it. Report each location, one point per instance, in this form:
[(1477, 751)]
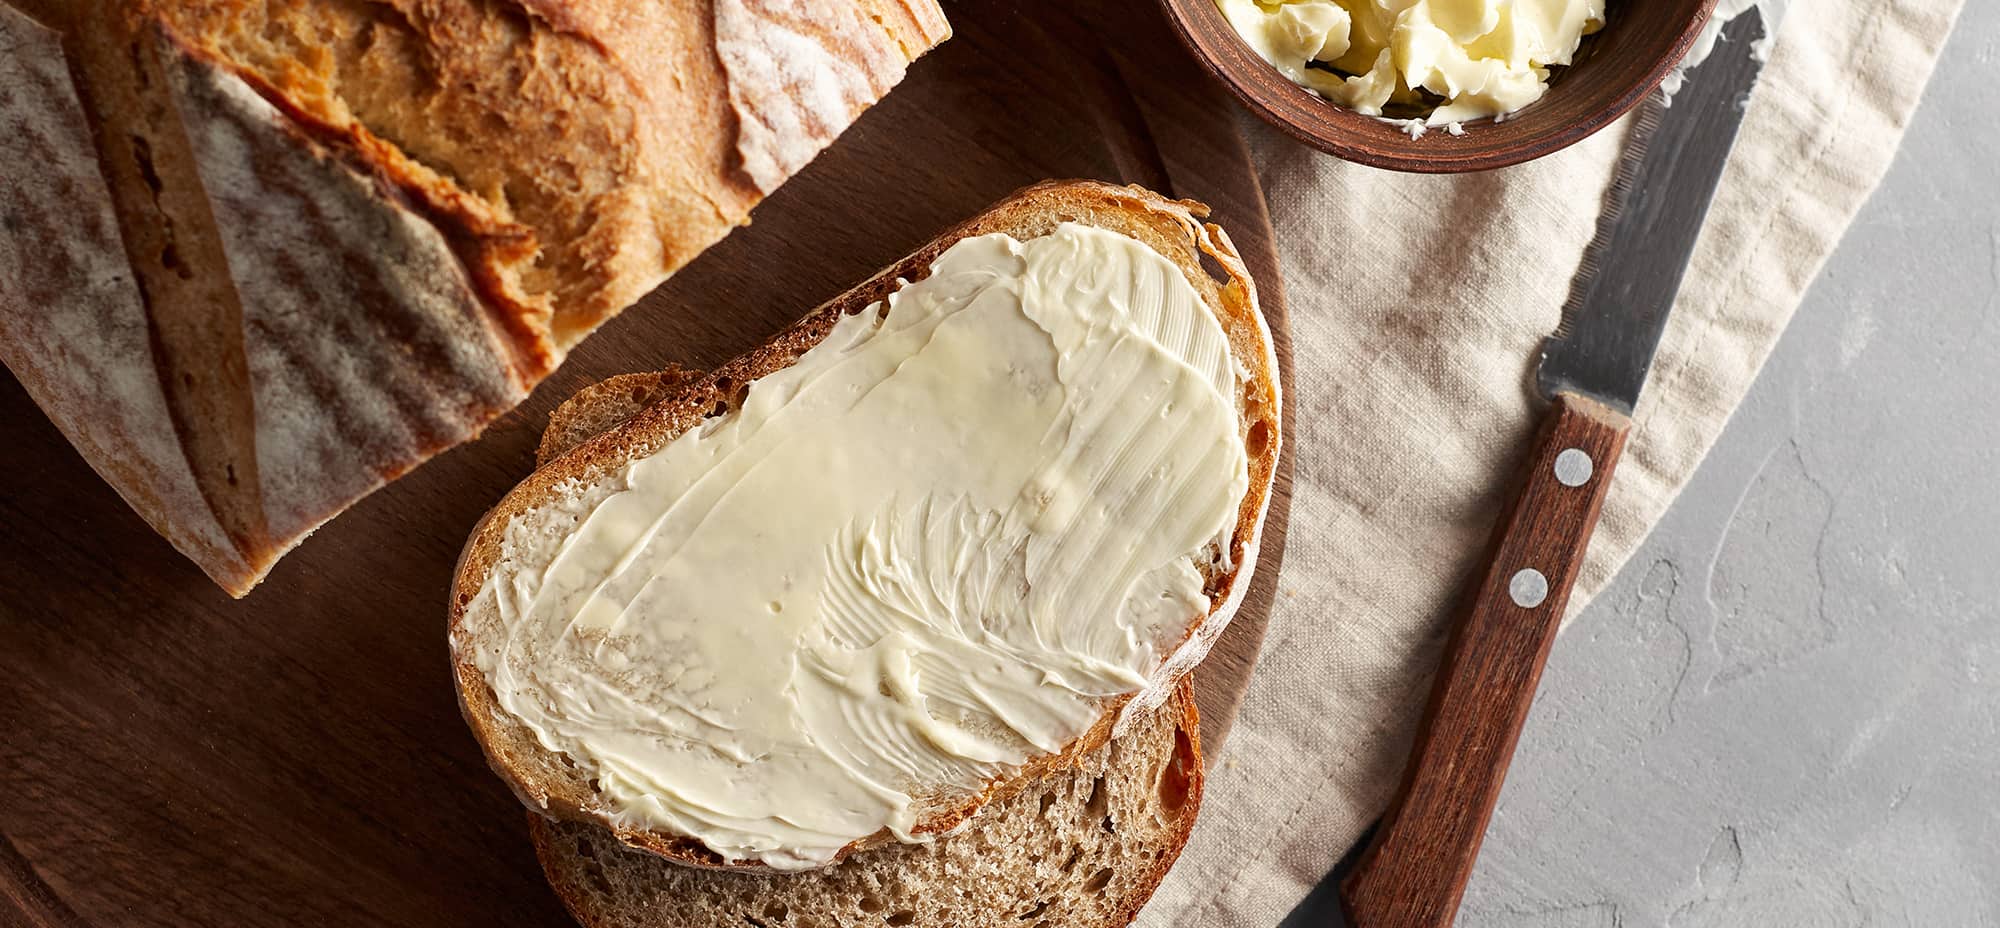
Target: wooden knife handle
[(1414, 872)]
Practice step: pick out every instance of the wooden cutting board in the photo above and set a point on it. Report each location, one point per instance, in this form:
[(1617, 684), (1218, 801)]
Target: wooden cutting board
[(171, 756)]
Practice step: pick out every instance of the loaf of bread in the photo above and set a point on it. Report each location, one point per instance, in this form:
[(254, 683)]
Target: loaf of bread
[(262, 256), (1081, 846), (513, 541)]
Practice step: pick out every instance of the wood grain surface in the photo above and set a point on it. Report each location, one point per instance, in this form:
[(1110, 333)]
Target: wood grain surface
[(171, 757)]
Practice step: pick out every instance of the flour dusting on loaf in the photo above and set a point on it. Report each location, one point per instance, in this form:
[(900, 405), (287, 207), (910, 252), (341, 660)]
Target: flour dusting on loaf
[(357, 368), (799, 71), (73, 327)]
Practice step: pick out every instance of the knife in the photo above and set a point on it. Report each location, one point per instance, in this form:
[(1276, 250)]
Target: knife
[(1591, 372)]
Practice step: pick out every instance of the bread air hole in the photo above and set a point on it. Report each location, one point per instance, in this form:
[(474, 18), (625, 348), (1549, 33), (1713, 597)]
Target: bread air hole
[(1211, 266), (731, 391), (1177, 778), (900, 917), (1098, 881), (1253, 400), (1098, 802), (1258, 442), (594, 872)]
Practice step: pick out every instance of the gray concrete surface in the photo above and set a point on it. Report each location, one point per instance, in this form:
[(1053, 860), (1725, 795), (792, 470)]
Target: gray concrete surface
[(1786, 711)]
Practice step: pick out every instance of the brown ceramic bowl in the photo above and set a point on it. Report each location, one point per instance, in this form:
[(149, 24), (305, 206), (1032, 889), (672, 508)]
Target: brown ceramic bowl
[(1640, 43)]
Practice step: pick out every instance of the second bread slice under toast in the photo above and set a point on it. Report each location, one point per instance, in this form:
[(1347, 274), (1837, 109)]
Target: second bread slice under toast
[(1081, 847)]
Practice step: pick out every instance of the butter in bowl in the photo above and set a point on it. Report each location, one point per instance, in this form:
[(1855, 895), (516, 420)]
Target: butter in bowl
[(1440, 86), (1429, 64)]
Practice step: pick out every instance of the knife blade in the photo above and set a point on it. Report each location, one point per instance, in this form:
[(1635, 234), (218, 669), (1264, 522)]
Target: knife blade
[(1632, 269), (1591, 370)]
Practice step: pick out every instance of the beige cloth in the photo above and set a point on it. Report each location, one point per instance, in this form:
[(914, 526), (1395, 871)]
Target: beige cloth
[(1416, 303)]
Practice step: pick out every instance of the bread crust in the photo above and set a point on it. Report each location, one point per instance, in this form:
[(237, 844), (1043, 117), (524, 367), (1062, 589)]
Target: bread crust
[(1173, 228), (605, 405), (361, 230), (74, 325), (545, 137), (790, 106)]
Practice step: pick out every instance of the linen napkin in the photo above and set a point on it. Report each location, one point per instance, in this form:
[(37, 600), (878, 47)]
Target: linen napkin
[(1416, 304)]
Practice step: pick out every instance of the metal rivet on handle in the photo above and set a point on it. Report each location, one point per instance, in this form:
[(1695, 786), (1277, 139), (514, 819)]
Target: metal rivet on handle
[(1573, 467), (1528, 588)]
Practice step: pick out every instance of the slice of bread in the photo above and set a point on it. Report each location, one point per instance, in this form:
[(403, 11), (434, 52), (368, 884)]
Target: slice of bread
[(1079, 847), (1082, 847), (562, 787)]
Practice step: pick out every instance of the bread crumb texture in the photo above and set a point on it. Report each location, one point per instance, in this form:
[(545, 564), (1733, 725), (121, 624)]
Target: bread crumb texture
[(1079, 847)]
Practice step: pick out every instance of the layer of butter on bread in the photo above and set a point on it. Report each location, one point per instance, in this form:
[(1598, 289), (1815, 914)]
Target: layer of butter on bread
[(927, 551)]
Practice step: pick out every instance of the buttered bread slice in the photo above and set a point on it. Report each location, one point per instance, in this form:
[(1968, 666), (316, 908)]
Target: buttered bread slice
[(947, 533)]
